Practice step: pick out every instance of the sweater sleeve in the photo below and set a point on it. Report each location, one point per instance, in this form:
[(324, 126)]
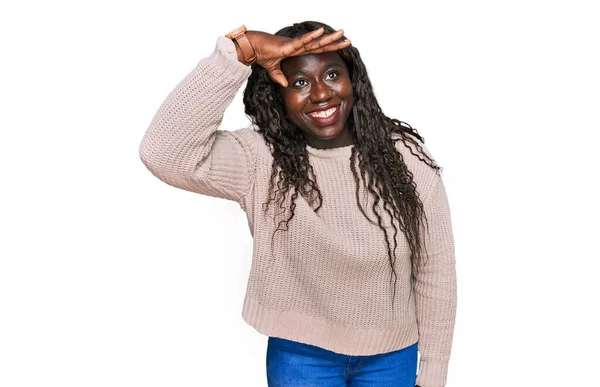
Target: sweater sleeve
[(435, 290), (183, 147)]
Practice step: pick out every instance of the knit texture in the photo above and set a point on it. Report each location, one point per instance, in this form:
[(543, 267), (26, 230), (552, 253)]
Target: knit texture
[(327, 280)]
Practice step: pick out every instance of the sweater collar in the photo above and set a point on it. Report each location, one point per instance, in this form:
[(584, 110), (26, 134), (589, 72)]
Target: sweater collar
[(342, 151)]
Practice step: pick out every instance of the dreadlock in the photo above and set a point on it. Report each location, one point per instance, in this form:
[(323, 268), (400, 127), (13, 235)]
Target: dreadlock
[(388, 176)]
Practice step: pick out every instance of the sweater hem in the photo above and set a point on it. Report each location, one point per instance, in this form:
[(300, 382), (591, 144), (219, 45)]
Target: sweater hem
[(347, 340)]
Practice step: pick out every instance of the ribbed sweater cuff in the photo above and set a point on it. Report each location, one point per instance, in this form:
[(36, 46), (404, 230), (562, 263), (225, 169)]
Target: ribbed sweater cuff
[(225, 55), (432, 374)]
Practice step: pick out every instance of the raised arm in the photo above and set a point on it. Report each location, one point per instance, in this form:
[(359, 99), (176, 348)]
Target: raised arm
[(183, 147), (435, 291)]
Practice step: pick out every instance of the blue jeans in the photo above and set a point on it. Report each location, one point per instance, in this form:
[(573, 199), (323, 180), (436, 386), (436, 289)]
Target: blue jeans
[(294, 364)]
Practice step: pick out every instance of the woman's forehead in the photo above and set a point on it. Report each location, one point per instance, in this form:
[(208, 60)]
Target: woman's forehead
[(311, 62)]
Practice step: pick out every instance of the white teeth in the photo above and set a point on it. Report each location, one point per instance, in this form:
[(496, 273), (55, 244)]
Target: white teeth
[(324, 114)]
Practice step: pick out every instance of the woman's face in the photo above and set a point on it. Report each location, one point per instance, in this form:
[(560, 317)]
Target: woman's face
[(319, 84)]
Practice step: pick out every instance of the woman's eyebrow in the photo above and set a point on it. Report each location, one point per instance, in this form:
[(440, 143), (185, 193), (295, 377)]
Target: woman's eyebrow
[(333, 63)]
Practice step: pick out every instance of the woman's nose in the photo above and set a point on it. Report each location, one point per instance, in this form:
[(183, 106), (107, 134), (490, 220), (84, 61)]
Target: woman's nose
[(320, 92)]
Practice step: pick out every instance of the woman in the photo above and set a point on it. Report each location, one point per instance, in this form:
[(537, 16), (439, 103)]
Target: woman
[(344, 297)]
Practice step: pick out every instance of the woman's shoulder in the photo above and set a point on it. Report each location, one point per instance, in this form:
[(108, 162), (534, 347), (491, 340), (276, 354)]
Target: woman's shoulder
[(418, 159), (247, 132), (414, 151), (249, 137)]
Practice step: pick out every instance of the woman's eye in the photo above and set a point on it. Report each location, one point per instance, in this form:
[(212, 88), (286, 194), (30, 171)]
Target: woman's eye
[(299, 80), (335, 73)]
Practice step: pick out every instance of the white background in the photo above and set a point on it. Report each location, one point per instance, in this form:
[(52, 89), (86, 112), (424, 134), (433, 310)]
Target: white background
[(109, 277)]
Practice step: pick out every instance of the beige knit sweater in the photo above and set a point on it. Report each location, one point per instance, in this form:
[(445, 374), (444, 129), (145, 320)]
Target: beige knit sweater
[(328, 280)]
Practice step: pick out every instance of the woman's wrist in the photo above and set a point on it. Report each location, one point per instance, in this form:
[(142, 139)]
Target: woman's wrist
[(239, 51), (240, 54)]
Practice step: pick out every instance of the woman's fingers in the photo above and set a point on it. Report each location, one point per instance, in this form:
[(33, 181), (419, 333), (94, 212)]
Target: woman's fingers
[(305, 43), (308, 43), (297, 44), (330, 47), (324, 41), (277, 75)]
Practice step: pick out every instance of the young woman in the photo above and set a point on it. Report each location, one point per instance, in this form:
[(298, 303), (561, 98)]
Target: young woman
[(327, 181)]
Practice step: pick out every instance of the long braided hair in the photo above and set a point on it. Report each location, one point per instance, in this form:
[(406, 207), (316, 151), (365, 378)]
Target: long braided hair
[(374, 148)]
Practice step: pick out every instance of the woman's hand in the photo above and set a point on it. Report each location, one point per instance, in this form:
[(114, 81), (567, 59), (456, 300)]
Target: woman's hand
[(272, 49)]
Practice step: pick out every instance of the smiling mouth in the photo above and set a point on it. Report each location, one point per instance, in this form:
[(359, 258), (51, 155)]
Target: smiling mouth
[(325, 117), (324, 113)]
